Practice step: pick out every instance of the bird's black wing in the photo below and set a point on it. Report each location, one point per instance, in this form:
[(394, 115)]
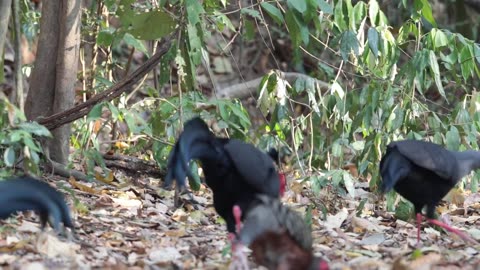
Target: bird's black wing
[(256, 167), (394, 166), (28, 194), (196, 141), (428, 155), (53, 194)]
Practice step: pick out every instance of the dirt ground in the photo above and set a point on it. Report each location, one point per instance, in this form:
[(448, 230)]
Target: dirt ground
[(134, 225)]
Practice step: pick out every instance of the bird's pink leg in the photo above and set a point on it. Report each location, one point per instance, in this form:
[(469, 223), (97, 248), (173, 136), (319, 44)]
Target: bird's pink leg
[(323, 265), (239, 260), (237, 214), (461, 234), (419, 223)]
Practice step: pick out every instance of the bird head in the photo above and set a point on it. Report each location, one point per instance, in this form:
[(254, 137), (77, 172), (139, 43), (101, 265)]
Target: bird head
[(273, 153)]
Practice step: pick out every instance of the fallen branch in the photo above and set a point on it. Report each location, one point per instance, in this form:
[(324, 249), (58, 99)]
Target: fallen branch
[(250, 88), (133, 164), (60, 169)]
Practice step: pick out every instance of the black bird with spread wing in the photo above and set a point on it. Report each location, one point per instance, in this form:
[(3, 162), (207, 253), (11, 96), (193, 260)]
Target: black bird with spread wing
[(26, 193), (423, 173), (235, 171)]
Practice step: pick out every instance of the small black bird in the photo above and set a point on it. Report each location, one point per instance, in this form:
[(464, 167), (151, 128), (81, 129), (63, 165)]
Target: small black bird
[(235, 171), (278, 237), (423, 173), (26, 193)]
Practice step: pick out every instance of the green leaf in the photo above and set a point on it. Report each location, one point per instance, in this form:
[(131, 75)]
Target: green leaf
[(476, 50), (137, 44), (9, 157), (194, 11), (241, 114), (298, 137), (453, 139), (105, 37), (348, 181), (28, 142), (325, 7), (249, 30), (404, 210), (151, 25), (474, 182), (427, 13), (336, 88), (416, 254), (373, 9), (273, 11), (293, 28), (96, 112), (439, 38), (373, 37), (399, 115), (223, 21), (348, 44), (436, 73), (360, 207), (195, 45), (195, 182), (299, 5), (358, 145), (251, 12), (339, 17), (35, 129), (304, 31), (337, 149), (358, 14), (466, 62)]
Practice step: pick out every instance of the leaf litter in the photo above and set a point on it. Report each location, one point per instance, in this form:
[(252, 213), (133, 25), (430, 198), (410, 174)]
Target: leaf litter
[(139, 228)]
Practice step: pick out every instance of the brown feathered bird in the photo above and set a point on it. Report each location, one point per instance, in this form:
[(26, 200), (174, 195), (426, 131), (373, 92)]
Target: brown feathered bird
[(278, 236)]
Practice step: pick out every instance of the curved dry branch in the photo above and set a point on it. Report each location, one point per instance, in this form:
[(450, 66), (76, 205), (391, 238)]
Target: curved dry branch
[(59, 119)]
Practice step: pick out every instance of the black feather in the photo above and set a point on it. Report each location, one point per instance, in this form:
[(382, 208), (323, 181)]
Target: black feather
[(234, 170), (27, 193), (424, 172)]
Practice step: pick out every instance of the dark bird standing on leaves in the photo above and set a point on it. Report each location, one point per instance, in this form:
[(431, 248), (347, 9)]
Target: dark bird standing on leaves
[(234, 170), (26, 193), (277, 236), (423, 173)]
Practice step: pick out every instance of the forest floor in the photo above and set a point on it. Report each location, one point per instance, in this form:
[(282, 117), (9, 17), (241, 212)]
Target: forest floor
[(136, 226)]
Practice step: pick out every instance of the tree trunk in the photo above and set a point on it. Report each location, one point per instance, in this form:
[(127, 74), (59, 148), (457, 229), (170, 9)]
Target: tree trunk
[(55, 71), (4, 19)]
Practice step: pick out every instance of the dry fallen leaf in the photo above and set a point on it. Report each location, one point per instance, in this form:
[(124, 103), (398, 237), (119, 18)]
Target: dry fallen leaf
[(28, 226), (52, 246), (361, 225), (335, 221), (166, 254)]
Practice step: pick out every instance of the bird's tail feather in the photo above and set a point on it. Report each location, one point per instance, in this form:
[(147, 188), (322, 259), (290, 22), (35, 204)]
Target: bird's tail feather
[(196, 141), (393, 168)]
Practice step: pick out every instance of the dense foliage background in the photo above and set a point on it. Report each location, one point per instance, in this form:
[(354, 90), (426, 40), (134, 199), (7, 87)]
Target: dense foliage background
[(336, 81)]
